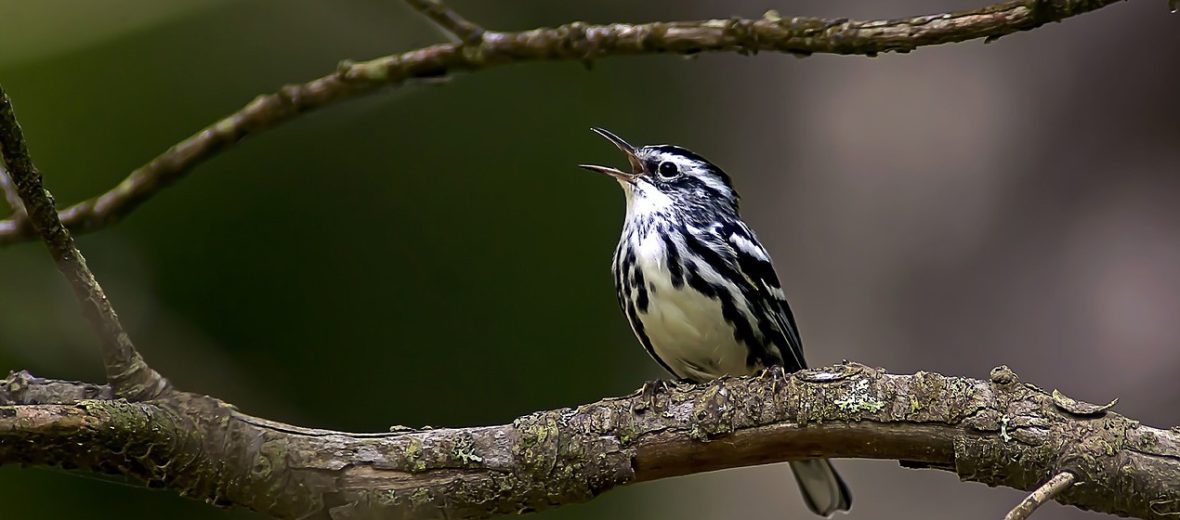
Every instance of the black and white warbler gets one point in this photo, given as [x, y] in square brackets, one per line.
[699, 289]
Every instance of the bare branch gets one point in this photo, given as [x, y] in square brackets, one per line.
[999, 432]
[127, 372]
[10, 195]
[449, 20]
[1046, 492]
[575, 41]
[17, 224]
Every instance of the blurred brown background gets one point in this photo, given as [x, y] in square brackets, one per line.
[430, 255]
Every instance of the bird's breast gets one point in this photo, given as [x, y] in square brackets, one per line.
[686, 328]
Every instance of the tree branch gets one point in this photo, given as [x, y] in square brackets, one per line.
[1046, 492]
[127, 372]
[10, 195]
[449, 20]
[575, 41]
[18, 220]
[999, 432]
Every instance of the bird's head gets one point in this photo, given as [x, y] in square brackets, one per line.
[665, 178]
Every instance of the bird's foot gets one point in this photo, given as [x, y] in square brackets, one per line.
[776, 373]
[649, 395]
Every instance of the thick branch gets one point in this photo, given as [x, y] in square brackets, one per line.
[999, 432]
[125, 369]
[576, 41]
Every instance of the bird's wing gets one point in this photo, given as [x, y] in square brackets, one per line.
[754, 264]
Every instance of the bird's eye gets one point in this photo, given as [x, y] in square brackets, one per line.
[667, 170]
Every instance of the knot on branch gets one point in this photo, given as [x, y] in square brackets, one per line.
[1045, 11]
[1003, 376]
[575, 43]
[744, 35]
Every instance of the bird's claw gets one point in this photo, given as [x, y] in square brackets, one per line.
[776, 373]
[649, 395]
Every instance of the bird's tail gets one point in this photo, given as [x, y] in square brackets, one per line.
[823, 490]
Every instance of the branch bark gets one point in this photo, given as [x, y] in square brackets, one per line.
[575, 41]
[126, 370]
[999, 432]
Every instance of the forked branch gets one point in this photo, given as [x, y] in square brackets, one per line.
[128, 374]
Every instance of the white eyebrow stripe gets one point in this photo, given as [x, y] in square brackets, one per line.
[679, 160]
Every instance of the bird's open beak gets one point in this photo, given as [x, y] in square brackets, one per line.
[636, 164]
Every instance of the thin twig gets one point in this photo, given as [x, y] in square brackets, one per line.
[571, 42]
[127, 372]
[449, 20]
[1045, 493]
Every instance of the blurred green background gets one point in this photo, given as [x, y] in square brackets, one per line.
[430, 254]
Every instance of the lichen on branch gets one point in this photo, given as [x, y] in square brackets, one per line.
[998, 431]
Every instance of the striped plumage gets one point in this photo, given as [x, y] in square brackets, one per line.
[698, 288]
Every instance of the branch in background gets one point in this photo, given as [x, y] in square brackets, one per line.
[575, 41]
[449, 20]
[10, 195]
[1000, 432]
[1061, 482]
[127, 372]
[12, 225]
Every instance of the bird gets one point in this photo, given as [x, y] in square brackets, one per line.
[699, 289]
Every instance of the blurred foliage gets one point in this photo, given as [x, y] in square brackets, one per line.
[35, 30]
